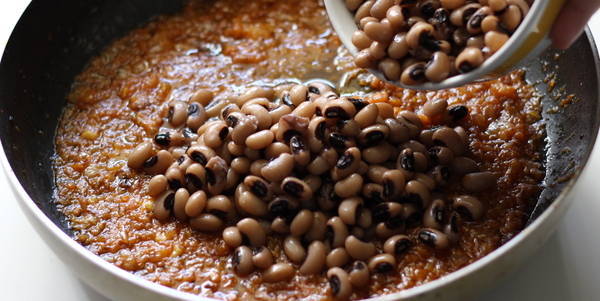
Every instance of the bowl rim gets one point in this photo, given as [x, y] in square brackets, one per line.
[32, 211]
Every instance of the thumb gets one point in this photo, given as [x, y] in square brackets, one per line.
[571, 21]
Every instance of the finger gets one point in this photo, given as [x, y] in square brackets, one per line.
[571, 21]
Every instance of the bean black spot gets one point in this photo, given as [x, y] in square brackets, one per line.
[411, 198]
[170, 114]
[194, 180]
[314, 90]
[468, 13]
[287, 100]
[402, 246]
[458, 112]
[259, 189]
[440, 16]
[210, 177]
[187, 133]
[345, 161]
[394, 222]
[427, 238]
[374, 138]
[232, 120]
[380, 213]
[320, 130]
[175, 184]
[374, 197]
[223, 133]
[464, 212]
[428, 9]
[433, 154]
[236, 257]
[151, 162]
[438, 214]
[180, 160]
[408, 162]
[293, 188]
[297, 145]
[358, 103]
[289, 134]
[162, 139]
[336, 112]
[384, 267]
[388, 188]
[193, 109]
[430, 43]
[334, 282]
[453, 223]
[475, 22]
[199, 157]
[169, 201]
[417, 74]
[337, 140]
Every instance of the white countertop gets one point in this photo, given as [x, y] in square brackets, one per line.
[566, 268]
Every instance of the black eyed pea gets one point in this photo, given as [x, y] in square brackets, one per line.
[177, 114]
[399, 132]
[378, 50]
[412, 122]
[469, 59]
[291, 125]
[253, 230]
[452, 228]
[293, 249]
[251, 204]
[522, 4]
[221, 206]
[235, 149]
[396, 17]
[365, 20]
[196, 203]
[180, 201]
[318, 166]
[280, 226]
[364, 10]
[195, 177]
[305, 109]
[216, 175]
[363, 168]
[279, 168]
[497, 5]
[468, 207]
[490, 23]
[260, 140]
[393, 182]
[175, 178]
[382, 264]
[494, 40]
[232, 237]
[164, 205]
[336, 232]
[278, 112]
[314, 182]
[391, 68]
[257, 92]
[296, 188]
[434, 215]
[348, 127]
[244, 127]
[367, 116]
[358, 249]
[318, 227]
[417, 33]
[319, 87]
[300, 151]
[384, 230]
[412, 215]
[183, 161]
[262, 258]
[378, 154]
[302, 223]
[381, 31]
[398, 48]
[278, 272]
[252, 154]
[340, 285]
[206, 222]
[202, 96]
[261, 113]
[298, 94]
[256, 167]
[511, 17]
[347, 163]
[242, 261]
[418, 190]
[240, 165]
[140, 155]
[474, 23]
[433, 238]
[380, 8]
[337, 257]
[385, 110]
[230, 110]
[359, 275]
[440, 155]
[438, 68]
[447, 137]
[339, 108]
[215, 135]
[157, 185]
[201, 154]
[361, 40]
[397, 245]
[276, 149]
[463, 165]
[373, 135]
[478, 181]
[459, 17]
[435, 107]
[258, 186]
[350, 209]
[214, 108]
[317, 128]
[315, 259]
[350, 186]
[414, 74]
[373, 193]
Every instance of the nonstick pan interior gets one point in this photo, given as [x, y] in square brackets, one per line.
[54, 40]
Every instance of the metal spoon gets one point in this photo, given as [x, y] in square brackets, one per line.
[530, 39]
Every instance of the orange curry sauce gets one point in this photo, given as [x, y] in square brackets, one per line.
[119, 100]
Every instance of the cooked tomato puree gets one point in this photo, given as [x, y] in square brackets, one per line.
[121, 98]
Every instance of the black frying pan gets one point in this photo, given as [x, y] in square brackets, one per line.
[54, 40]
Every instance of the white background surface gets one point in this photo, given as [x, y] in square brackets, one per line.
[566, 268]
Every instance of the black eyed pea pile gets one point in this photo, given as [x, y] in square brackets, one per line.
[341, 183]
[415, 41]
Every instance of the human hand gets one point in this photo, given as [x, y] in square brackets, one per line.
[571, 21]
